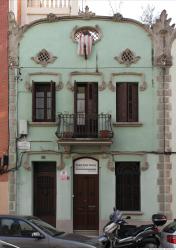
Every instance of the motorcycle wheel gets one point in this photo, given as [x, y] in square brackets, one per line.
[150, 245]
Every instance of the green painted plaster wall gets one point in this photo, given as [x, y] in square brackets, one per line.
[116, 37]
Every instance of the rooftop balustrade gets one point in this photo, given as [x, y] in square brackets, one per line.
[48, 4]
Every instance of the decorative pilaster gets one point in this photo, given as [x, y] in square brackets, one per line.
[162, 36]
[14, 35]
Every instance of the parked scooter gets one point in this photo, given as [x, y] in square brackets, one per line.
[118, 233]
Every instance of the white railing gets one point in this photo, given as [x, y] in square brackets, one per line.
[48, 3]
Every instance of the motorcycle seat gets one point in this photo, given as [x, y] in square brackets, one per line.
[130, 230]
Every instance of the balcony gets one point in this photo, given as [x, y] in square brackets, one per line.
[84, 129]
[37, 9]
[51, 4]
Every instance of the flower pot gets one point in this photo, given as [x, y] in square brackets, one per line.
[67, 135]
[104, 133]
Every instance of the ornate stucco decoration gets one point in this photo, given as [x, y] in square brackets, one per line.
[15, 33]
[117, 17]
[13, 62]
[144, 164]
[110, 165]
[163, 34]
[30, 77]
[86, 14]
[85, 37]
[95, 31]
[70, 83]
[127, 57]
[44, 57]
[164, 60]
[52, 17]
[142, 85]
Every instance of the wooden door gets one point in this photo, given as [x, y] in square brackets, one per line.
[86, 202]
[45, 191]
[86, 109]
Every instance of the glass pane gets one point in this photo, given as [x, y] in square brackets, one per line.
[39, 103]
[81, 106]
[81, 90]
[39, 94]
[49, 103]
[81, 96]
[48, 94]
[40, 114]
[48, 114]
[81, 119]
[26, 229]
[5, 227]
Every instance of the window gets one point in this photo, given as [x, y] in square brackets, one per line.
[127, 186]
[15, 228]
[44, 102]
[127, 102]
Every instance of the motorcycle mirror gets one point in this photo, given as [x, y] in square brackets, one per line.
[128, 217]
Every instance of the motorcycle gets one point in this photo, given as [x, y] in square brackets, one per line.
[118, 233]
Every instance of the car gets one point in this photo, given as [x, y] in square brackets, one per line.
[30, 231]
[4, 244]
[168, 235]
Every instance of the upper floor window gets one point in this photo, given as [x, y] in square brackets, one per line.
[127, 102]
[44, 102]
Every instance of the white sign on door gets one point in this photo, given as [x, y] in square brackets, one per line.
[86, 166]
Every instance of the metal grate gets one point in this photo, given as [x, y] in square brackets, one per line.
[127, 56]
[43, 56]
[93, 32]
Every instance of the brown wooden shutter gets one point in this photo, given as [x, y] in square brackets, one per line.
[121, 102]
[53, 94]
[132, 102]
[33, 101]
[128, 186]
[75, 96]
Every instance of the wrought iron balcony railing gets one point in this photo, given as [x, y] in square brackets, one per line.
[84, 126]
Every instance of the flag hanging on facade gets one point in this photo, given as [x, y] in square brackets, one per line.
[85, 45]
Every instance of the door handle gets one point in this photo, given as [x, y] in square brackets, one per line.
[91, 206]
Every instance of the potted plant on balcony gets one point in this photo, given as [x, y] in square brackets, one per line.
[67, 134]
[104, 133]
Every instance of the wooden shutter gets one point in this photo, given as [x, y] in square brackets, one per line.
[121, 102]
[33, 101]
[128, 186]
[132, 102]
[53, 93]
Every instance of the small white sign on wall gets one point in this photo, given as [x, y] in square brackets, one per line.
[86, 166]
[23, 145]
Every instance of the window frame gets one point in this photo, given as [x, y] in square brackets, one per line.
[127, 102]
[44, 86]
[128, 201]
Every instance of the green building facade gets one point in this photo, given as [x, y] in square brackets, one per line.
[86, 107]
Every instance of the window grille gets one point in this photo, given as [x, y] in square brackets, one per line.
[88, 30]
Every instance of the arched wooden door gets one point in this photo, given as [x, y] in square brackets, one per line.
[86, 194]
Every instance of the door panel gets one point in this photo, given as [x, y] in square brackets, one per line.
[45, 191]
[86, 202]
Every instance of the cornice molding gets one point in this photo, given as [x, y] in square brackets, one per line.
[142, 84]
[51, 18]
